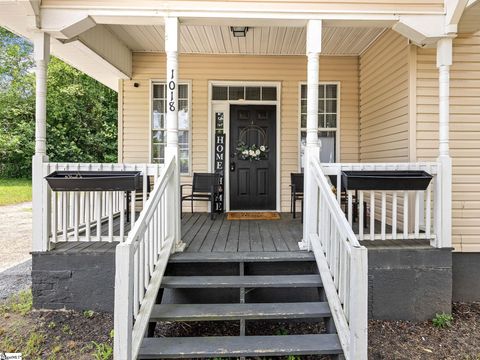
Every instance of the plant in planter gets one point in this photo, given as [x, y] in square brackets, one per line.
[252, 152]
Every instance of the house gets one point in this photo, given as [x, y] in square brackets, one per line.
[325, 87]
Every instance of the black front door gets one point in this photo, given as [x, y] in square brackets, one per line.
[252, 157]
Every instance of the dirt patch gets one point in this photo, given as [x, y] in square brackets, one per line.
[87, 335]
[55, 334]
[406, 340]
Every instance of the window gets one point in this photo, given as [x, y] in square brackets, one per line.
[159, 131]
[327, 121]
[258, 93]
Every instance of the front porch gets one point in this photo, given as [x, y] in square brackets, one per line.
[399, 270]
[194, 120]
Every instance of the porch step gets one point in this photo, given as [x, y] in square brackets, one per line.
[241, 256]
[251, 281]
[223, 312]
[289, 284]
[234, 346]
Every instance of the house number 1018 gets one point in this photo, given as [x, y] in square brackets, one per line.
[171, 87]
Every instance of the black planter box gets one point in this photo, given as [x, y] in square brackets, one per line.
[94, 180]
[386, 180]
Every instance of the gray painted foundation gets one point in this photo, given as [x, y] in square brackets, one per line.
[81, 281]
[466, 277]
[408, 284]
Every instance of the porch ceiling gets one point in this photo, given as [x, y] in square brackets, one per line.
[259, 40]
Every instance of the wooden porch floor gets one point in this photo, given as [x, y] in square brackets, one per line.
[201, 234]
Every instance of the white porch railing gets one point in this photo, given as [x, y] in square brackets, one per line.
[391, 214]
[341, 261]
[90, 215]
[140, 263]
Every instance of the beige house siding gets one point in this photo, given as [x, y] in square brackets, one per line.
[385, 106]
[464, 132]
[200, 69]
[398, 6]
[384, 100]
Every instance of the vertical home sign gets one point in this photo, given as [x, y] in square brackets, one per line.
[219, 161]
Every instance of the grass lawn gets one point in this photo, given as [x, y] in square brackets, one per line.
[14, 191]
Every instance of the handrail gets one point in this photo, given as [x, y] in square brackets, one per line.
[342, 263]
[140, 264]
[333, 205]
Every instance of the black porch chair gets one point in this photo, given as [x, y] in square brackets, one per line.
[205, 187]
[296, 192]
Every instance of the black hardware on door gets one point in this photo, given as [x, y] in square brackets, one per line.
[232, 166]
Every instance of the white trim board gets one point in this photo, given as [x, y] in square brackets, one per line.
[224, 105]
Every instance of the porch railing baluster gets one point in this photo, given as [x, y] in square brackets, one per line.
[394, 214]
[341, 262]
[146, 254]
[73, 216]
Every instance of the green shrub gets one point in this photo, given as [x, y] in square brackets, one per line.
[442, 320]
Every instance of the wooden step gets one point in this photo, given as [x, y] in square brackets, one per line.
[242, 256]
[223, 312]
[236, 346]
[258, 281]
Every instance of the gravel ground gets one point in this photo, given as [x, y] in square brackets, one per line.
[15, 246]
[15, 279]
[15, 234]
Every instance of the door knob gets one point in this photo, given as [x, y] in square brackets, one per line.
[232, 166]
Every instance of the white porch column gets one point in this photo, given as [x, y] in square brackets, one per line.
[40, 190]
[443, 216]
[172, 32]
[310, 204]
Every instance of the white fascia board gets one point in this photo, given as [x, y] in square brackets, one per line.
[15, 17]
[454, 10]
[65, 25]
[32, 8]
[207, 17]
[421, 30]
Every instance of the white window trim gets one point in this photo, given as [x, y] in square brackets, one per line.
[337, 129]
[190, 121]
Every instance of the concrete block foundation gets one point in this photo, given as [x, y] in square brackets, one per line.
[81, 281]
[404, 283]
[409, 284]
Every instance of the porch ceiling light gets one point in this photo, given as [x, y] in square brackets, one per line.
[239, 31]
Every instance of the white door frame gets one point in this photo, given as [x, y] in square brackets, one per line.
[224, 105]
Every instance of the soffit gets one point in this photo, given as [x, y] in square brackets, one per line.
[200, 39]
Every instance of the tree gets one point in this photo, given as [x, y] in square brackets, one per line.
[81, 112]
